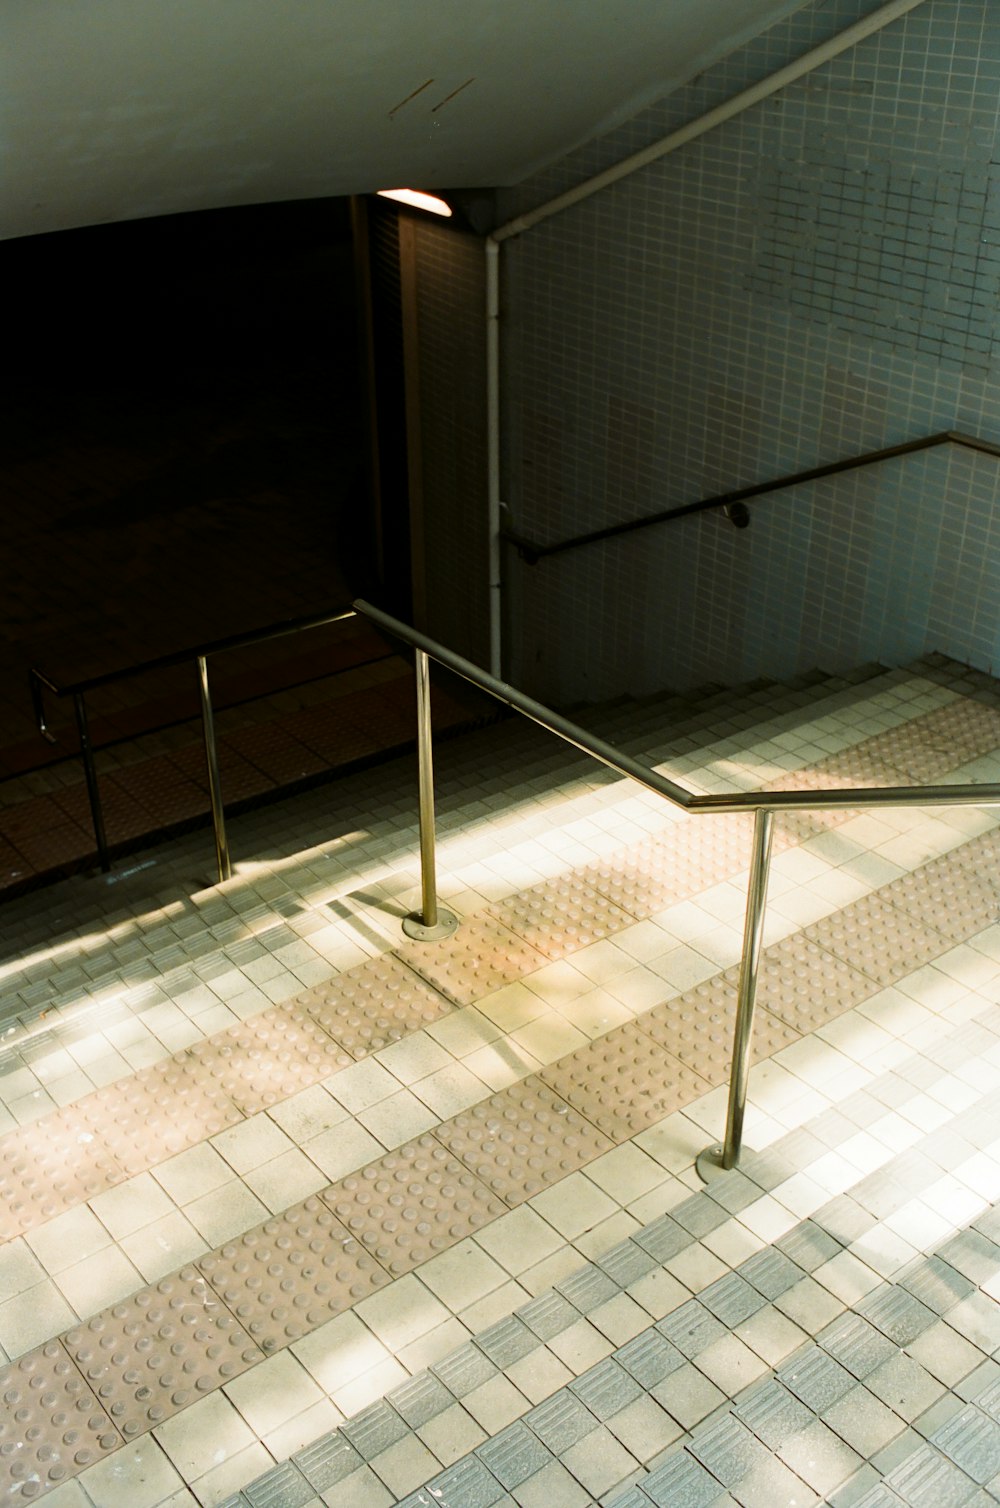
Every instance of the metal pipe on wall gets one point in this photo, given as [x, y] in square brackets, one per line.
[865, 27]
[493, 451]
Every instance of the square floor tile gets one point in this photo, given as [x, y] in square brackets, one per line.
[251, 1143]
[285, 1180]
[397, 1119]
[164, 1245]
[193, 1173]
[203, 1436]
[273, 1392]
[131, 1205]
[60, 1242]
[225, 1213]
[99, 1281]
[137, 1476]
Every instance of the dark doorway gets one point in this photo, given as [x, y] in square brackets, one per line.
[183, 456]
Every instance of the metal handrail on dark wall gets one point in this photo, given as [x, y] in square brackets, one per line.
[195, 654]
[532, 551]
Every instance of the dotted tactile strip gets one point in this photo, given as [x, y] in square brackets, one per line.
[932, 745]
[522, 1140]
[697, 1027]
[51, 1425]
[877, 938]
[158, 1112]
[480, 957]
[49, 1167]
[624, 1082]
[641, 882]
[168, 1345]
[269, 1058]
[373, 1005]
[560, 916]
[690, 856]
[803, 985]
[721, 843]
[954, 896]
[289, 1276]
[412, 1204]
[861, 765]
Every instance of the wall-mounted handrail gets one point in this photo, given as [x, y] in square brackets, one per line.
[197, 654]
[532, 551]
[763, 804]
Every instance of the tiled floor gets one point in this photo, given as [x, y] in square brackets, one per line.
[298, 1213]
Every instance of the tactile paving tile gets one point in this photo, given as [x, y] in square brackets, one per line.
[288, 1276]
[624, 1082]
[328, 1461]
[856, 1345]
[957, 893]
[269, 1057]
[283, 1486]
[877, 938]
[962, 730]
[479, 958]
[559, 916]
[805, 986]
[727, 1448]
[149, 1357]
[798, 827]
[773, 1413]
[645, 879]
[895, 1311]
[937, 1284]
[649, 1358]
[412, 1204]
[50, 1166]
[158, 1112]
[863, 765]
[657, 872]
[731, 1299]
[955, 901]
[522, 1139]
[378, 1002]
[815, 1377]
[918, 750]
[972, 1441]
[514, 1455]
[51, 1424]
[697, 1027]
[927, 1479]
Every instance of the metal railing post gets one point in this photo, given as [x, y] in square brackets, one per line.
[214, 778]
[90, 773]
[431, 922]
[722, 1158]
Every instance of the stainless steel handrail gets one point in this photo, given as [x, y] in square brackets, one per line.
[763, 804]
[199, 654]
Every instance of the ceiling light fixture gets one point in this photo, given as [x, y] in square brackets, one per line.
[417, 200]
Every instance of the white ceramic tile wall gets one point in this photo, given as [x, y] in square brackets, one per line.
[816, 278]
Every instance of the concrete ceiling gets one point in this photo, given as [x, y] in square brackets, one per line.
[122, 109]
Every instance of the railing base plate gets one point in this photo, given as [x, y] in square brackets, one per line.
[708, 1164]
[414, 927]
